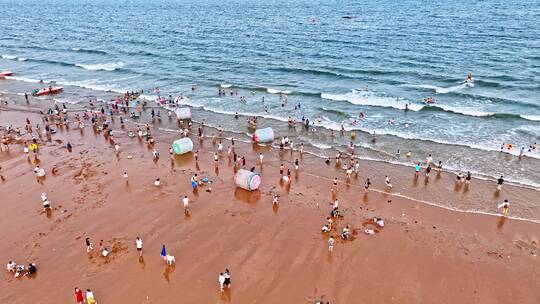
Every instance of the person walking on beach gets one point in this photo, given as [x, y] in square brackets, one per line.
[428, 170]
[331, 242]
[417, 169]
[79, 296]
[261, 158]
[387, 181]
[138, 244]
[500, 182]
[275, 200]
[227, 281]
[505, 205]
[185, 201]
[90, 297]
[88, 245]
[367, 183]
[296, 165]
[221, 280]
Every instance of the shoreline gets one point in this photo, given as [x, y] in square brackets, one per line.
[456, 157]
[402, 167]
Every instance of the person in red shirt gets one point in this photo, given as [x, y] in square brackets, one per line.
[79, 296]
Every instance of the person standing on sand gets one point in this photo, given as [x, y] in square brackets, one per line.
[88, 245]
[506, 206]
[296, 165]
[500, 182]
[221, 280]
[261, 158]
[387, 181]
[331, 242]
[90, 297]
[79, 296]
[139, 243]
[468, 177]
[185, 201]
[125, 177]
[367, 183]
[428, 170]
[417, 169]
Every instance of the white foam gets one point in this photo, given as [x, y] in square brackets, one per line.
[531, 117]
[370, 99]
[21, 59]
[452, 88]
[31, 80]
[463, 110]
[224, 85]
[101, 66]
[274, 91]
[76, 49]
[10, 57]
[92, 85]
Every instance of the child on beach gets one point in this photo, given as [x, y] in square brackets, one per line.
[505, 206]
[500, 182]
[387, 181]
[88, 245]
[185, 201]
[331, 242]
[275, 200]
[417, 169]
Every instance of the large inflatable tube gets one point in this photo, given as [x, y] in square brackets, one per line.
[247, 180]
[183, 113]
[263, 135]
[182, 146]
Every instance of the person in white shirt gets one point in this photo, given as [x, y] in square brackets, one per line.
[139, 243]
[261, 158]
[11, 266]
[43, 197]
[221, 280]
[185, 200]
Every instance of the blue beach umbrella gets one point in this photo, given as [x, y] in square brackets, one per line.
[163, 252]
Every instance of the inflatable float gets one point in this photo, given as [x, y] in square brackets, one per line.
[182, 146]
[247, 180]
[263, 135]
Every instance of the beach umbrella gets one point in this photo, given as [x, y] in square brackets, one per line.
[163, 252]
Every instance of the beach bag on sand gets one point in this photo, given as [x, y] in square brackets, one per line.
[263, 135]
[183, 113]
[182, 146]
[247, 180]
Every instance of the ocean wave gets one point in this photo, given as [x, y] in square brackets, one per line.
[13, 57]
[89, 51]
[25, 79]
[92, 85]
[531, 117]
[367, 98]
[101, 66]
[313, 72]
[274, 91]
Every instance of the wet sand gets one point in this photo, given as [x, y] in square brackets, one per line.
[424, 254]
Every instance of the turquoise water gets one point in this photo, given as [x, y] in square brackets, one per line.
[323, 53]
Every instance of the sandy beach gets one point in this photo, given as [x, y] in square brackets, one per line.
[276, 254]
